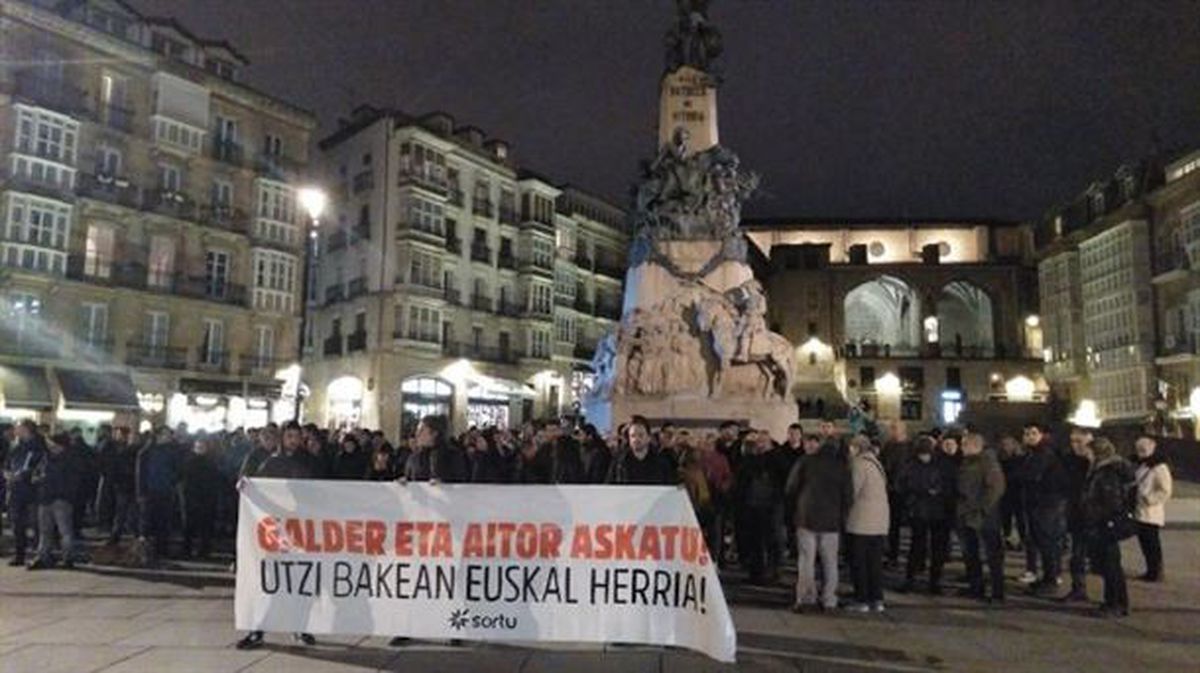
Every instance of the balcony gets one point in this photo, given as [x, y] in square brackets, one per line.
[1177, 348]
[482, 207]
[332, 345]
[259, 365]
[364, 181]
[454, 245]
[427, 287]
[117, 118]
[108, 188]
[507, 308]
[455, 349]
[43, 178]
[170, 203]
[583, 305]
[227, 151]
[564, 300]
[141, 354]
[582, 260]
[481, 302]
[224, 216]
[356, 288]
[334, 294]
[278, 166]
[423, 174]
[543, 312]
[414, 335]
[481, 253]
[1171, 263]
[109, 273]
[506, 261]
[538, 222]
[356, 341]
[210, 290]
[508, 215]
[51, 93]
[454, 196]
[212, 361]
[452, 296]
[29, 343]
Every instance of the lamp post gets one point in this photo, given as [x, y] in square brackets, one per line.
[313, 200]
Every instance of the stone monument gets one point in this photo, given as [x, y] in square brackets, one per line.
[692, 346]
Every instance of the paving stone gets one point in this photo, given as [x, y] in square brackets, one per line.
[61, 658]
[189, 660]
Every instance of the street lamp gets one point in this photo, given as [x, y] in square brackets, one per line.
[313, 200]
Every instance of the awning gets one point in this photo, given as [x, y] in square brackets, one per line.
[25, 387]
[486, 387]
[82, 389]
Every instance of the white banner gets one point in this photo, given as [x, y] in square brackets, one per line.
[596, 564]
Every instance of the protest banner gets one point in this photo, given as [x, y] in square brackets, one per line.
[591, 564]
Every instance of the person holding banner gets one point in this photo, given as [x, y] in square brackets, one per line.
[285, 463]
[640, 463]
[433, 457]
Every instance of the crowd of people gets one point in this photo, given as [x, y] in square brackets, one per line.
[867, 499]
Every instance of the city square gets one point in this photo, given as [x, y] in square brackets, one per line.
[650, 336]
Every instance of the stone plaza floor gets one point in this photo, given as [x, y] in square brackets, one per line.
[119, 620]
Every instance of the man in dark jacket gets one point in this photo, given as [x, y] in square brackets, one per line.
[640, 462]
[895, 458]
[157, 476]
[980, 487]
[818, 492]
[1045, 481]
[758, 490]
[351, 460]
[434, 458]
[87, 479]
[23, 457]
[1076, 465]
[925, 501]
[1108, 500]
[57, 481]
[202, 481]
[121, 475]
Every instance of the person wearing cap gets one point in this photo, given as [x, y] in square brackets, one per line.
[1106, 496]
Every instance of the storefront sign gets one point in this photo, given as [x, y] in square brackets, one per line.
[596, 564]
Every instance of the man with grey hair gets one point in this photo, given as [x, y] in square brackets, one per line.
[980, 487]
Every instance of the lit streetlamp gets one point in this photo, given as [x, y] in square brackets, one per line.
[313, 200]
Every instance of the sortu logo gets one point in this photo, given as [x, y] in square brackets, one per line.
[462, 618]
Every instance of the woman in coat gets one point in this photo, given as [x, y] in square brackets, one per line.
[867, 524]
[1154, 490]
[1104, 506]
[925, 501]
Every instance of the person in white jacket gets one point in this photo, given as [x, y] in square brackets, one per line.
[1154, 490]
[867, 524]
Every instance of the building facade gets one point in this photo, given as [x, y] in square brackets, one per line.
[1120, 296]
[916, 318]
[150, 243]
[449, 280]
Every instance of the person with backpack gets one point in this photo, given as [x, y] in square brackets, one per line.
[1108, 503]
[1153, 492]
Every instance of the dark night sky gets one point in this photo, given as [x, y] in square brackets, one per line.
[847, 108]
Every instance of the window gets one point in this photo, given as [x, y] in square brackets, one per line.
[108, 161]
[169, 178]
[216, 273]
[276, 212]
[538, 208]
[46, 135]
[272, 145]
[222, 194]
[564, 284]
[424, 324]
[93, 324]
[540, 299]
[156, 330]
[543, 253]
[161, 262]
[35, 234]
[180, 135]
[24, 312]
[213, 349]
[274, 281]
[425, 216]
[264, 345]
[564, 328]
[425, 269]
[226, 131]
[476, 337]
[98, 251]
[539, 344]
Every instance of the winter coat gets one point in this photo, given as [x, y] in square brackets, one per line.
[24, 456]
[157, 470]
[1044, 477]
[566, 461]
[281, 465]
[202, 480]
[350, 465]
[758, 482]
[1076, 470]
[57, 477]
[597, 459]
[895, 458]
[980, 487]
[869, 513]
[947, 466]
[122, 469]
[444, 462]
[494, 466]
[818, 491]
[923, 492]
[654, 468]
[1105, 493]
[1154, 490]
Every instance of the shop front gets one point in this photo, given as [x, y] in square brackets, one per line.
[26, 393]
[344, 403]
[90, 399]
[422, 396]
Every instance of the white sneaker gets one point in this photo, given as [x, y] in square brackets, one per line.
[1028, 578]
[877, 606]
[857, 607]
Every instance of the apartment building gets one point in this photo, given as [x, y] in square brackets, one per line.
[451, 280]
[917, 318]
[150, 246]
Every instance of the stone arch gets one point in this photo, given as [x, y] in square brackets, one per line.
[966, 319]
[883, 312]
